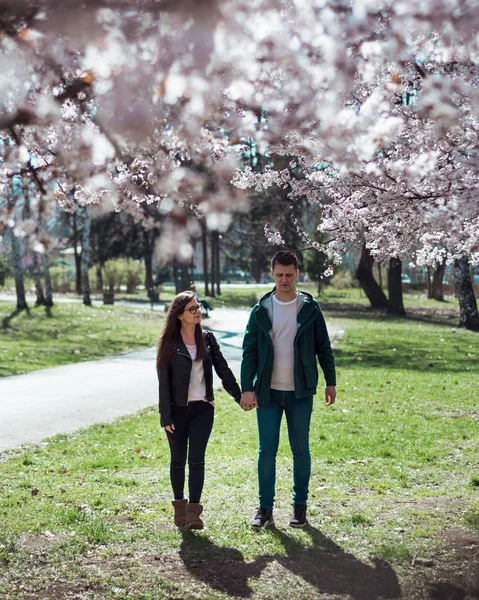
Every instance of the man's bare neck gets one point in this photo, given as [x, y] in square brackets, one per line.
[286, 297]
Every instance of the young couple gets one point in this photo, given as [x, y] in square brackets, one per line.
[286, 333]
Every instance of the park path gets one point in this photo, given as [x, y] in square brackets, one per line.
[63, 399]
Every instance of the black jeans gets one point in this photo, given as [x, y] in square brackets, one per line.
[193, 424]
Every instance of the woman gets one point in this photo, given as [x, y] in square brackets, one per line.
[184, 361]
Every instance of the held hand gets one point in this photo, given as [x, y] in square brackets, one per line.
[330, 394]
[170, 428]
[248, 401]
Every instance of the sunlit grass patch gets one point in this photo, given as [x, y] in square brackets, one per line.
[74, 333]
[356, 520]
[393, 553]
[394, 467]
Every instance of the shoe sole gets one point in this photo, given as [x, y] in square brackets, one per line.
[264, 526]
[297, 525]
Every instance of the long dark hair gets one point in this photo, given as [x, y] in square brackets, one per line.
[170, 336]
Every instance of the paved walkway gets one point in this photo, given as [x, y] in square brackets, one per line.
[63, 399]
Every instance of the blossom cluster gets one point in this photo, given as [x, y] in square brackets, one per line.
[147, 106]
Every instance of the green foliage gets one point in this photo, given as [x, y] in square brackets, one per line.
[112, 274]
[343, 280]
[5, 270]
[63, 278]
[315, 264]
[134, 274]
[123, 271]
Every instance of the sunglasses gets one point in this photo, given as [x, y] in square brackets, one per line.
[194, 309]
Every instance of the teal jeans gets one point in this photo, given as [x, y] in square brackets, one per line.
[298, 419]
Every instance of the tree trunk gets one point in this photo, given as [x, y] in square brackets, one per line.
[85, 256]
[38, 282]
[395, 303]
[149, 241]
[429, 281]
[48, 282]
[148, 259]
[78, 271]
[469, 315]
[213, 264]
[256, 268]
[176, 276]
[185, 278]
[17, 256]
[76, 239]
[99, 278]
[216, 259]
[435, 289]
[204, 245]
[364, 274]
[191, 272]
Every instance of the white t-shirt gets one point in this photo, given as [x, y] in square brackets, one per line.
[283, 334]
[197, 387]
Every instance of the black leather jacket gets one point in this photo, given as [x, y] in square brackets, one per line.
[174, 381]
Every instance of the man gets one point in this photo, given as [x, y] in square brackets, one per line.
[286, 331]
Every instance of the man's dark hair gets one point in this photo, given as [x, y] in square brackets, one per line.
[285, 258]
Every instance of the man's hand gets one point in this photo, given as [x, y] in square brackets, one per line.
[330, 394]
[170, 428]
[248, 401]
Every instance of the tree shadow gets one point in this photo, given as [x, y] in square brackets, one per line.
[448, 591]
[323, 565]
[331, 570]
[442, 316]
[6, 320]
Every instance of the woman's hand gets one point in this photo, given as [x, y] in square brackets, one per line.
[248, 401]
[170, 428]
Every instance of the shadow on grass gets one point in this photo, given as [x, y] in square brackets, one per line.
[404, 356]
[6, 320]
[447, 591]
[443, 315]
[331, 570]
[324, 566]
[222, 568]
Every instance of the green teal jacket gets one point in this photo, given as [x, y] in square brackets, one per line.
[311, 341]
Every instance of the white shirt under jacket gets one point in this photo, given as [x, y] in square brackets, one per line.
[284, 315]
[197, 387]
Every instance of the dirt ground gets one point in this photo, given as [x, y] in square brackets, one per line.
[330, 575]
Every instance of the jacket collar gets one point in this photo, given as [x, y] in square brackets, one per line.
[181, 347]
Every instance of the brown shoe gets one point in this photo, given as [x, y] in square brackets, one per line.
[180, 512]
[193, 512]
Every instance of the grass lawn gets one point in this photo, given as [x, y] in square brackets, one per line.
[74, 333]
[393, 510]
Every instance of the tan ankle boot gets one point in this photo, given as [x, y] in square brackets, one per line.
[180, 512]
[193, 512]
